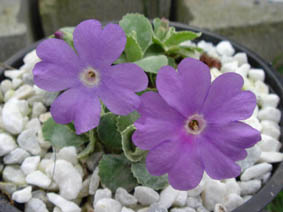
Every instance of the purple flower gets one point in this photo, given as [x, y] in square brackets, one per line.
[193, 125]
[88, 76]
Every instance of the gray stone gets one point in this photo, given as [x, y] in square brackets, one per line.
[157, 208]
[256, 24]
[13, 33]
[35, 205]
[53, 13]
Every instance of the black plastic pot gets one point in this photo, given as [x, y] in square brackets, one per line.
[273, 79]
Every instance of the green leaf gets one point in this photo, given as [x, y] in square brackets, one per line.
[152, 64]
[133, 50]
[61, 135]
[108, 133]
[146, 179]
[178, 37]
[115, 172]
[121, 59]
[139, 24]
[132, 152]
[124, 121]
[154, 50]
[162, 29]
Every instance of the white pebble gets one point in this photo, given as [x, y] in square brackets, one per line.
[63, 204]
[181, 199]
[37, 109]
[12, 118]
[271, 157]
[270, 128]
[249, 187]
[6, 85]
[194, 202]
[256, 75]
[186, 209]
[22, 196]
[265, 177]
[269, 100]
[143, 210]
[94, 182]
[69, 154]
[232, 186]
[35, 205]
[33, 124]
[197, 190]
[24, 92]
[12, 74]
[124, 209]
[168, 196]
[225, 48]
[220, 208]
[107, 205]
[209, 198]
[67, 178]
[29, 141]
[39, 179]
[16, 83]
[269, 144]
[146, 195]
[270, 113]
[101, 194]
[260, 88]
[125, 198]
[30, 164]
[24, 107]
[230, 67]
[7, 144]
[233, 201]
[241, 57]
[44, 117]
[202, 209]
[13, 174]
[253, 156]
[16, 156]
[253, 122]
[256, 171]
[243, 70]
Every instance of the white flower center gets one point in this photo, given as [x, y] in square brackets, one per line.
[195, 124]
[90, 77]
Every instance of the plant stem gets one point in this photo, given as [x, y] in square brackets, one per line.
[91, 145]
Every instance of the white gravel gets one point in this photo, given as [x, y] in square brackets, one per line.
[28, 166]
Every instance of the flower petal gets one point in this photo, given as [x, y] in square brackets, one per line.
[216, 164]
[96, 46]
[161, 158]
[59, 66]
[118, 99]
[57, 51]
[53, 77]
[158, 122]
[226, 101]
[188, 169]
[186, 89]
[236, 134]
[68, 107]
[130, 76]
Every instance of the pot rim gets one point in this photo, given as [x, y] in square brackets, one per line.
[275, 184]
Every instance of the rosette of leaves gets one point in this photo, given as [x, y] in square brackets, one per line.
[150, 46]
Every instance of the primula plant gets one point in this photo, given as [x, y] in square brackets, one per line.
[133, 94]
